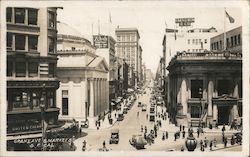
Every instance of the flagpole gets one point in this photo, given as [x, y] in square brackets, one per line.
[225, 38]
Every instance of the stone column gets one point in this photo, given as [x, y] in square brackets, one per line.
[92, 99]
[215, 112]
[210, 96]
[184, 96]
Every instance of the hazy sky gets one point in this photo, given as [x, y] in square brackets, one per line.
[149, 18]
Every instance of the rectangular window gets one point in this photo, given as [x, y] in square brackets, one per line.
[196, 88]
[9, 68]
[32, 17]
[20, 42]
[193, 41]
[223, 87]
[220, 45]
[232, 41]
[235, 40]
[52, 45]
[9, 14]
[33, 69]
[50, 96]
[118, 38]
[19, 15]
[51, 69]
[21, 99]
[128, 38]
[33, 41]
[20, 69]
[52, 23]
[239, 39]
[188, 41]
[36, 99]
[205, 41]
[65, 103]
[9, 41]
[133, 38]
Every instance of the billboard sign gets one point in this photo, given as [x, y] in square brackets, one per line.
[184, 22]
[100, 41]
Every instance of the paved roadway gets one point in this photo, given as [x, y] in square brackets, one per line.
[132, 125]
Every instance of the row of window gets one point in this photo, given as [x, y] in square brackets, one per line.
[230, 43]
[22, 69]
[26, 42]
[126, 49]
[29, 99]
[196, 41]
[28, 16]
[195, 50]
[126, 37]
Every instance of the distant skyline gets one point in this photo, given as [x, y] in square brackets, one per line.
[150, 20]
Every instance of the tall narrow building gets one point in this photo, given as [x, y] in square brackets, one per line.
[129, 49]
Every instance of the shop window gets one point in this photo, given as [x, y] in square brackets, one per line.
[65, 101]
[52, 45]
[32, 17]
[196, 88]
[9, 68]
[223, 87]
[9, 14]
[195, 111]
[51, 69]
[20, 69]
[52, 22]
[20, 42]
[36, 99]
[33, 41]
[50, 96]
[21, 99]
[19, 15]
[33, 69]
[9, 41]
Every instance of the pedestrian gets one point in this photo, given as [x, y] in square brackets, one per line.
[205, 142]
[147, 116]
[145, 129]
[225, 142]
[180, 127]
[198, 132]
[223, 128]
[183, 134]
[175, 136]
[141, 128]
[232, 140]
[138, 114]
[202, 148]
[182, 148]
[215, 142]
[163, 137]
[104, 145]
[211, 145]
[201, 143]
[183, 127]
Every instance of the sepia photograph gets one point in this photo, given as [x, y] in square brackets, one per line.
[125, 78]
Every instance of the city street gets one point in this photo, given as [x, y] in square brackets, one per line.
[131, 125]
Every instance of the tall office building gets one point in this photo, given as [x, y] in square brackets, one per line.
[129, 49]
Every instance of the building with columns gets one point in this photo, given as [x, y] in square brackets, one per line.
[205, 88]
[83, 93]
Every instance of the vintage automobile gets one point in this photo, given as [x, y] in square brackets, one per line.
[151, 117]
[138, 141]
[139, 104]
[84, 124]
[144, 108]
[120, 117]
[125, 110]
[114, 138]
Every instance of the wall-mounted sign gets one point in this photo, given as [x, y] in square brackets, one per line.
[100, 41]
[183, 22]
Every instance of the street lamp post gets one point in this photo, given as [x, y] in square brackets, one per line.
[42, 107]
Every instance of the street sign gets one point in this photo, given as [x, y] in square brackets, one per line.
[183, 22]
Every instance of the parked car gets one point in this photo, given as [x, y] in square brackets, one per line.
[114, 138]
[125, 110]
[144, 108]
[151, 117]
[120, 117]
[84, 124]
[138, 141]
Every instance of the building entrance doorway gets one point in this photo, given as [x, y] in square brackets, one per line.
[223, 114]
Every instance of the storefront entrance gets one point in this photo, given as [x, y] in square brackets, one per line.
[223, 114]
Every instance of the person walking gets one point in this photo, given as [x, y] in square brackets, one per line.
[215, 142]
[104, 145]
[211, 145]
[145, 129]
[166, 134]
[205, 142]
[180, 128]
[175, 136]
[225, 142]
[141, 128]
[138, 114]
[183, 134]
[198, 132]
